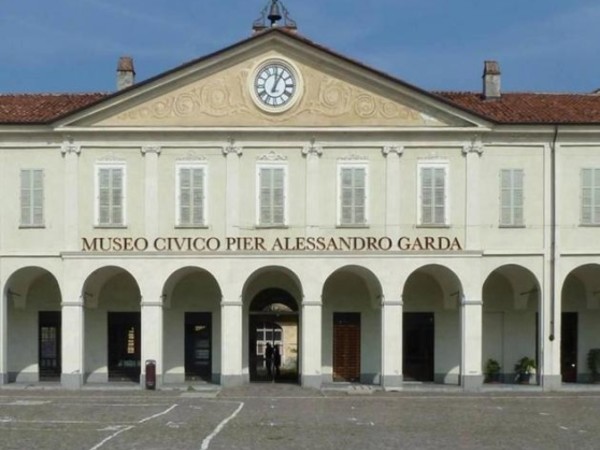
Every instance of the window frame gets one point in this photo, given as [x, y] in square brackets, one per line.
[110, 165]
[191, 165]
[512, 223]
[592, 206]
[433, 164]
[352, 165]
[31, 223]
[272, 165]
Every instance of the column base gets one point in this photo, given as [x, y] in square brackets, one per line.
[551, 382]
[472, 383]
[311, 381]
[391, 381]
[232, 380]
[71, 380]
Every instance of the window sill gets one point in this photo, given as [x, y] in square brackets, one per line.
[433, 225]
[191, 227]
[120, 227]
[31, 227]
[589, 225]
[271, 227]
[357, 226]
[511, 226]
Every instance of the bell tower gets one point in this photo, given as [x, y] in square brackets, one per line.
[274, 14]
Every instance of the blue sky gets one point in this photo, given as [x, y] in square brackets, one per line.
[73, 45]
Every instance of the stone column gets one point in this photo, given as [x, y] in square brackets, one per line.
[472, 153]
[73, 338]
[393, 208]
[471, 340]
[151, 213]
[152, 338]
[3, 337]
[71, 153]
[310, 358]
[391, 338]
[232, 189]
[231, 343]
[312, 153]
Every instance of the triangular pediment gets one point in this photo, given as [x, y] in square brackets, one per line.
[217, 92]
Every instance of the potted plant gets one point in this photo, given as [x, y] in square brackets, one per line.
[524, 368]
[593, 361]
[492, 371]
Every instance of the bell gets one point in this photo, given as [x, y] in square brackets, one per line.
[274, 13]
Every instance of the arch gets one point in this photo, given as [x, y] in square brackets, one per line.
[511, 305]
[351, 334]
[191, 326]
[33, 307]
[580, 317]
[273, 300]
[94, 283]
[272, 277]
[432, 297]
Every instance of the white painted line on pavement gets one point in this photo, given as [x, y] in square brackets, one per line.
[210, 437]
[166, 411]
[104, 441]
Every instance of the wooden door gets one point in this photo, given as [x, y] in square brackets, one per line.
[346, 346]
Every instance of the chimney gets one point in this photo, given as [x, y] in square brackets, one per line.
[491, 80]
[125, 72]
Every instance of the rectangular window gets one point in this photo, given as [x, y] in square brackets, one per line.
[433, 189]
[32, 197]
[271, 195]
[110, 195]
[191, 195]
[511, 197]
[590, 196]
[352, 194]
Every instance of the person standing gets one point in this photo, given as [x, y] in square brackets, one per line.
[269, 359]
[277, 360]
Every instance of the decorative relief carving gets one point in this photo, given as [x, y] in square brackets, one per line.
[151, 149]
[312, 149]
[272, 156]
[224, 99]
[476, 146]
[353, 157]
[397, 149]
[231, 148]
[70, 148]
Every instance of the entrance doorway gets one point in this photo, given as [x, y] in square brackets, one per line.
[418, 346]
[124, 346]
[273, 337]
[198, 354]
[568, 347]
[346, 346]
[49, 355]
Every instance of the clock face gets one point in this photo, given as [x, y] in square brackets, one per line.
[275, 85]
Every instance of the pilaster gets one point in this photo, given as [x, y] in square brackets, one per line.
[471, 342]
[393, 208]
[151, 213]
[152, 338]
[310, 358]
[73, 335]
[3, 338]
[232, 189]
[70, 153]
[231, 343]
[312, 153]
[472, 153]
[392, 343]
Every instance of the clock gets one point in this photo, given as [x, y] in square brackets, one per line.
[275, 86]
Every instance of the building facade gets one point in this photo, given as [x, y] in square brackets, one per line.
[275, 192]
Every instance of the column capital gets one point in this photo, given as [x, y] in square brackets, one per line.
[475, 146]
[312, 303]
[471, 302]
[397, 149]
[155, 303]
[231, 148]
[68, 148]
[231, 303]
[391, 302]
[312, 149]
[156, 149]
[72, 304]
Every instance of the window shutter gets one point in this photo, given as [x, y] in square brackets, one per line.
[25, 197]
[505, 197]
[596, 198]
[278, 196]
[37, 197]
[264, 196]
[426, 195]
[346, 196]
[198, 196]
[103, 196]
[440, 196]
[117, 196]
[184, 196]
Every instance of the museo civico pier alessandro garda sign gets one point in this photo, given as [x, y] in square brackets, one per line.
[279, 244]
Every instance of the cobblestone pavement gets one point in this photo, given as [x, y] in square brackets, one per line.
[265, 416]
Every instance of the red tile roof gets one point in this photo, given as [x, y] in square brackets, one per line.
[42, 108]
[531, 108]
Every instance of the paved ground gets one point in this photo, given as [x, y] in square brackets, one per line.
[287, 417]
